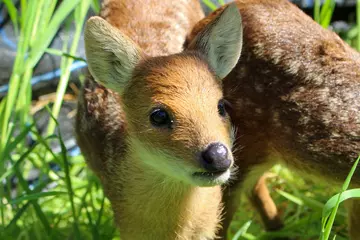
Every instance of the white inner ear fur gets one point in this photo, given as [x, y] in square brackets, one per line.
[221, 41]
[111, 56]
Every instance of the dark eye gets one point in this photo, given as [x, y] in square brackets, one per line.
[221, 108]
[160, 118]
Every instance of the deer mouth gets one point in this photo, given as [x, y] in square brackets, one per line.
[211, 178]
[209, 174]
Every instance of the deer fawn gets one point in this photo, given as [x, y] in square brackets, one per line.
[295, 100]
[155, 130]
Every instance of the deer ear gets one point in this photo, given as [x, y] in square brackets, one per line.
[111, 56]
[221, 41]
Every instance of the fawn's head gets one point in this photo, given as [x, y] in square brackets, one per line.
[176, 118]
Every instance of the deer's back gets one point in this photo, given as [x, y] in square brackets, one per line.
[295, 92]
[158, 27]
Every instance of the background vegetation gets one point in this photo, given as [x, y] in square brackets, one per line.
[68, 202]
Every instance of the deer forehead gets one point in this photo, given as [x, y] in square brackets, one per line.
[176, 79]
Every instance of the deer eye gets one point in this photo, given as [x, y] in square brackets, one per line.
[221, 108]
[160, 118]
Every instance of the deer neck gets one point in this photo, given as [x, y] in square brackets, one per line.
[150, 202]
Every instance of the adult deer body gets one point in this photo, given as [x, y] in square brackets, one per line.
[295, 97]
[154, 130]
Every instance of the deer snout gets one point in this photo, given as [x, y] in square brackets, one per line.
[215, 158]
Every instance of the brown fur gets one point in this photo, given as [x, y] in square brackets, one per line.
[100, 119]
[295, 97]
[148, 202]
[158, 28]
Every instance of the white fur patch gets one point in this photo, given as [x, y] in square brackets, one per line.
[171, 167]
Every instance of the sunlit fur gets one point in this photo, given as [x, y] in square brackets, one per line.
[185, 87]
[295, 97]
[148, 171]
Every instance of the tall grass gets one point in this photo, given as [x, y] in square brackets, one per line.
[69, 202]
[358, 24]
[38, 211]
[322, 15]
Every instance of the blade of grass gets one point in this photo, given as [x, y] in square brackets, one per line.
[24, 98]
[295, 225]
[18, 215]
[326, 13]
[67, 178]
[280, 235]
[40, 214]
[14, 86]
[94, 229]
[209, 4]
[14, 169]
[98, 221]
[290, 197]
[331, 203]
[25, 155]
[325, 8]
[12, 145]
[46, 17]
[64, 9]
[25, 65]
[317, 11]
[83, 198]
[95, 4]
[242, 230]
[358, 24]
[36, 196]
[69, 186]
[80, 14]
[21, 159]
[13, 14]
[63, 54]
[23, 9]
[325, 233]
[28, 14]
[46, 145]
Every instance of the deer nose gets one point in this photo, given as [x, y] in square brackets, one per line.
[215, 158]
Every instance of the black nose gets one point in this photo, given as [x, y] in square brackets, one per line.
[215, 158]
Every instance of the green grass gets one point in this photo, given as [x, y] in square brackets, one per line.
[75, 207]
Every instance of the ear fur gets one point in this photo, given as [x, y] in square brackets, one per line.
[221, 41]
[111, 56]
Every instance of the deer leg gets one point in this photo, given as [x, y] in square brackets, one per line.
[264, 204]
[259, 196]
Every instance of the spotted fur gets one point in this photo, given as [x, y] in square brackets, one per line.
[295, 96]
